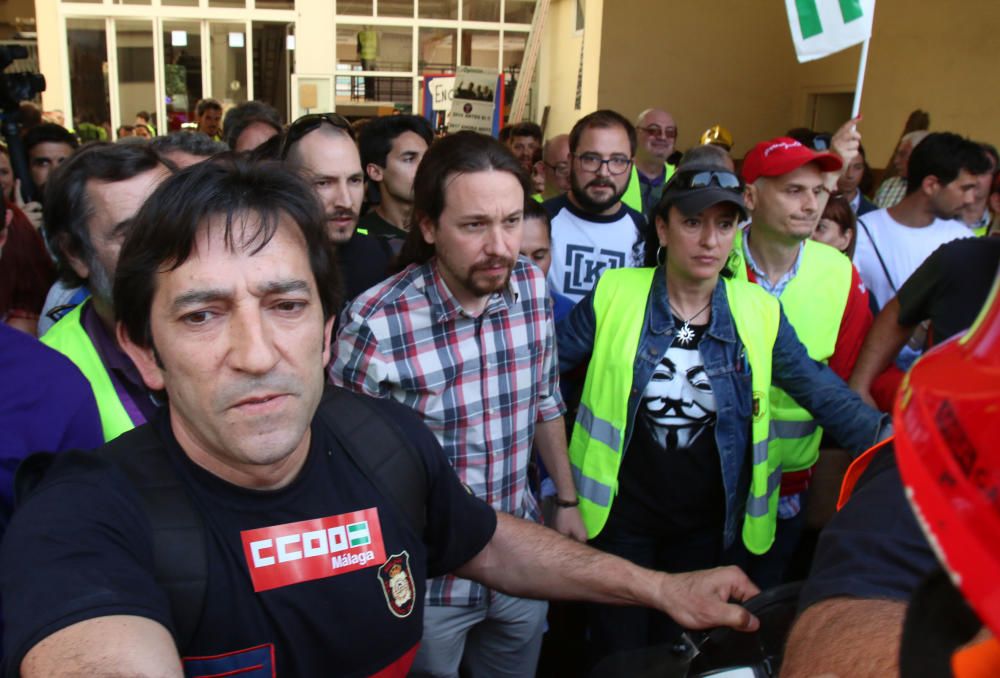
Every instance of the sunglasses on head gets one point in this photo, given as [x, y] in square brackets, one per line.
[705, 178]
[308, 123]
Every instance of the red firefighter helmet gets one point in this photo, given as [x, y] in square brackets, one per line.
[947, 422]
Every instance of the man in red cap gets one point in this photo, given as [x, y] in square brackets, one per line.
[788, 185]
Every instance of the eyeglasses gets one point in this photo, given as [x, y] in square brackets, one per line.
[560, 168]
[705, 178]
[657, 131]
[591, 162]
[309, 123]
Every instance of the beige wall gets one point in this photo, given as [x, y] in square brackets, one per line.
[729, 62]
[559, 64]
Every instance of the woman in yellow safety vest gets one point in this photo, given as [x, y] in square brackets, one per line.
[669, 449]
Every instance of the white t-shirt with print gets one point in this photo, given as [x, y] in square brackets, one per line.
[584, 245]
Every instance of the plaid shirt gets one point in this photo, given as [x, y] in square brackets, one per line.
[480, 383]
[890, 192]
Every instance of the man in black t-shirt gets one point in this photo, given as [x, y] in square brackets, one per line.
[225, 304]
[322, 149]
[948, 289]
[391, 149]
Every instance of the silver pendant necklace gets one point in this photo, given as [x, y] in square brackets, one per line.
[685, 335]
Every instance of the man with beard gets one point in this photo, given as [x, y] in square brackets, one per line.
[391, 148]
[91, 202]
[464, 336]
[321, 148]
[592, 229]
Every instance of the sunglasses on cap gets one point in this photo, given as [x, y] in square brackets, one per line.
[822, 142]
[308, 123]
[695, 179]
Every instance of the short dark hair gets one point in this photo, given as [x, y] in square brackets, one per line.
[144, 115]
[167, 226]
[523, 129]
[376, 137]
[195, 143]
[238, 118]
[944, 155]
[67, 204]
[601, 119]
[991, 150]
[534, 210]
[49, 132]
[206, 104]
[460, 153]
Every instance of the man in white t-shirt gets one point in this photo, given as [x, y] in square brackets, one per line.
[592, 229]
[941, 182]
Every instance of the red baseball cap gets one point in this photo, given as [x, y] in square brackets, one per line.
[782, 155]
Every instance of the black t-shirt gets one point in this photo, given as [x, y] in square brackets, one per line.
[873, 547]
[670, 481]
[341, 594]
[951, 286]
[364, 262]
[377, 226]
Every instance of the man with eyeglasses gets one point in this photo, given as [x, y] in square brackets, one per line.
[555, 156]
[592, 228]
[321, 148]
[787, 188]
[657, 134]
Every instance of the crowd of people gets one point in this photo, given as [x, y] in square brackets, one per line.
[341, 397]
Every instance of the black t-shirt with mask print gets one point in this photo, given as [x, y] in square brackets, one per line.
[670, 481]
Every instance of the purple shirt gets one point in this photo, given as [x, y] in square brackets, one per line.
[46, 405]
[125, 376]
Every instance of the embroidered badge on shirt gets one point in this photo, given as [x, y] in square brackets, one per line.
[281, 555]
[397, 584]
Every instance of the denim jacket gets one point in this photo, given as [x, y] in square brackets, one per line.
[840, 411]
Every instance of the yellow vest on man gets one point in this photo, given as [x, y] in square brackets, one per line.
[69, 338]
[598, 440]
[633, 192]
[814, 302]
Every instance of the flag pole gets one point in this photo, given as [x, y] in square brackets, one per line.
[856, 108]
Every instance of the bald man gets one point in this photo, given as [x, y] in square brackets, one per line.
[657, 134]
[555, 155]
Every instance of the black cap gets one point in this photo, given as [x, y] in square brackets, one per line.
[691, 201]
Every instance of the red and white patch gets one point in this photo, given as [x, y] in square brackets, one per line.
[397, 584]
[287, 554]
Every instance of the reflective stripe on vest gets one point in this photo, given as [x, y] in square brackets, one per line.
[814, 302]
[596, 446]
[633, 193]
[69, 338]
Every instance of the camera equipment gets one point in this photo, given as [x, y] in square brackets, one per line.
[15, 88]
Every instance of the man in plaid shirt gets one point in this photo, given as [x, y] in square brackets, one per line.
[464, 336]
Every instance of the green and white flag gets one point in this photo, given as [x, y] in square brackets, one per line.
[822, 27]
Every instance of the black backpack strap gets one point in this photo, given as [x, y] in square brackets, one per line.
[885, 269]
[180, 553]
[379, 449]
